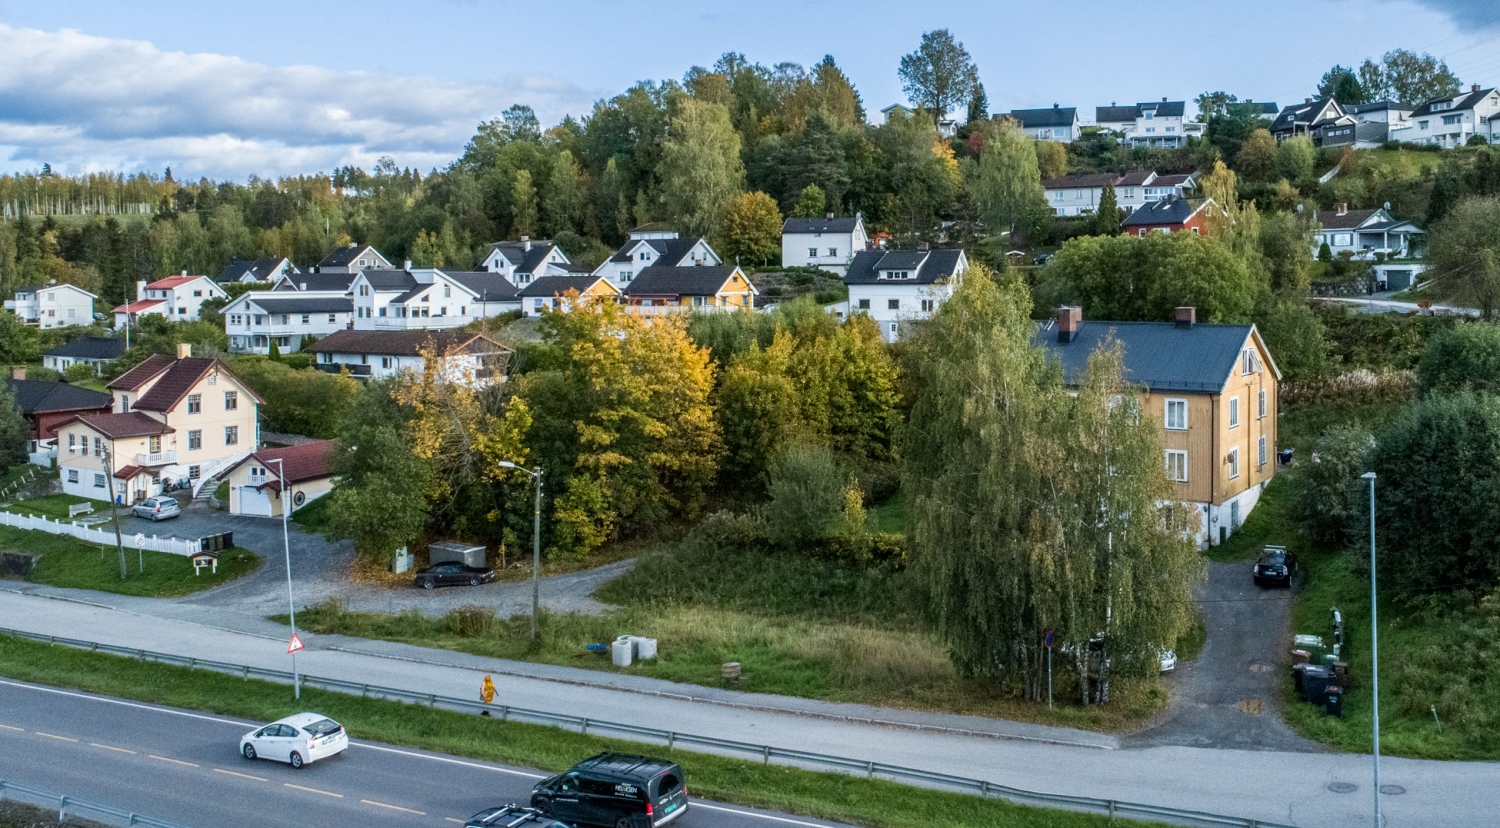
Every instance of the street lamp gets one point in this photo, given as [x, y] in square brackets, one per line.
[1374, 648]
[286, 547]
[536, 548]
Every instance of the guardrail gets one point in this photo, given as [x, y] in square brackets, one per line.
[68, 805]
[672, 739]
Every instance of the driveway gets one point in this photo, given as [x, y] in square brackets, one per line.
[1230, 696]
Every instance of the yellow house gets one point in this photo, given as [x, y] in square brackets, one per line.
[552, 291]
[304, 471]
[690, 288]
[177, 420]
[1211, 388]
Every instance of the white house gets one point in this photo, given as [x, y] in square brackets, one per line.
[1390, 113]
[1078, 194]
[828, 243]
[1060, 123]
[1451, 121]
[178, 298]
[264, 269]
[53, 305]
[551, 292]
[653, 230]
[1151, 124]
[353, 258]
[654, 250]
[898, 286]
[522, 261]
[467, 358]
[896, 110]
[428, 298]
[259, 318]
[93, 351]
[1364, 232]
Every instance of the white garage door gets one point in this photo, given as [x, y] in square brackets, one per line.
[254, 502]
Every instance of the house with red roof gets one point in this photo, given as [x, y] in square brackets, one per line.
[304, 472]
[178, 298]
[184, 420]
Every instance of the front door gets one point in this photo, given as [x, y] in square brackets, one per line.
[567, 799]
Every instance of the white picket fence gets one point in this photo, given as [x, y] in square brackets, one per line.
[172, 546]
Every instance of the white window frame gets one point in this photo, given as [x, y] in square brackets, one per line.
[1261, 453]
[1234, 463]
[1167, 414]
[1234, 411]
[1261, 408]
[1178, 458]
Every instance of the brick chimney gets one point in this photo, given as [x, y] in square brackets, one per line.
[184, 350]
[18, 372]
[1069, 320]
[1343, 208]
[1474, 87]
[1184, 317]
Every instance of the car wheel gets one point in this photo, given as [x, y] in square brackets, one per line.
[428, 583]
[624, 822]
[544, 806]
[249, 751]
[473, 580]
[296, 759]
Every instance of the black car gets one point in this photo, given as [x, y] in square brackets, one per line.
[452, 573]
[619, 790]
[512, 816]
[1275, 567]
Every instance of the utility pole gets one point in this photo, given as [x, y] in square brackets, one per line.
[536, 550]
[286, 546]
[1374, 650]
[114, 510]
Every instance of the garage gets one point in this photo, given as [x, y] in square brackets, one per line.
[253, 501]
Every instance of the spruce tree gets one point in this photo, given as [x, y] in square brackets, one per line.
[1107, 219]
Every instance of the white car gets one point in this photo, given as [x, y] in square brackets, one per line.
[299, 739]
[1168, 660]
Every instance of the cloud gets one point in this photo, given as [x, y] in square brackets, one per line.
[1467, 13]
[85, 103]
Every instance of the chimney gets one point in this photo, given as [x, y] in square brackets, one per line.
[406, 265]
[1343, 208]
[1164, 99]
[1069, 320]
[1054, 104]
[830, 216]
[184, 350]
[304, 286]
[1474, 87]
[18, 372]
[140, 289]
[184, 273]
[525, 242]
[1184, 317]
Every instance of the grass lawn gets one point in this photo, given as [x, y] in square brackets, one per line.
[69, 562]
[892, 515]
[56, 506]
[822, 795]
[1269, 523]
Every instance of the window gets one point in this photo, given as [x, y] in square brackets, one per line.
[864, 304]
[231, 400]
[98, 481]
[198, 293]
[182, 311]
[195, 403]
[195, 440]
[833, 251]
[927, 305]
[1261, 453]
[1234, 463]
[1141, 232]
[332, 318]
[382, 312]
[1177, 415]
[893, 304]
[260, 319]
[1234, 412]
[447, 291]
[1343, 239]
[812, 252]
[231, 435]
[1261, 410]
[71, 439]
[1453, 119]
[234, 319]
[1249, 361]
[306, 318]
[72, 475]
[385, 362]
[1195, 230]
[98, 447]
[195, 472]
[153, 445]
[626, 276]
[1177, 466]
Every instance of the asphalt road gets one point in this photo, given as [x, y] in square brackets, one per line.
[182, 766]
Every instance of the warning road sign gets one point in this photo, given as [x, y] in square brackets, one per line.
[295, 645]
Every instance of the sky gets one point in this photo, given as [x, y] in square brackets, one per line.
[276, 88]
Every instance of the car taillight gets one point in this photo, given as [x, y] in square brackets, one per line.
[648, 809]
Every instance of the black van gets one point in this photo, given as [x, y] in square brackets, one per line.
[619, 790]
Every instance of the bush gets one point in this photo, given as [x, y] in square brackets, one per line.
[79, 372]
[471, 621]
[807, 496]
[1330, 494]
[1463, 357]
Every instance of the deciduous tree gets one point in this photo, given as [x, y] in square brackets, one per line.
[1006, 184]
[700, 168]
[939, 75]
[13, 431]
[749, 229]
[1465, 254]
[811, 202]
[523, 205]
[1256, 159]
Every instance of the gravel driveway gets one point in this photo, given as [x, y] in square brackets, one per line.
[1229, 697]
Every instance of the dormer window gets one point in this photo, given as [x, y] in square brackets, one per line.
[898, 274]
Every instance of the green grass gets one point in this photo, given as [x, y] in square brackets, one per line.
[1397, 164]
[1270, 522]
[71, 563]
[222, 491]
[892, 515]
[55, 506]
[820, 795]
[313, 517]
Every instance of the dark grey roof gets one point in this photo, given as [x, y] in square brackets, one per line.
[390, 279]
[1314, 113]
[1332, 220]
[345, 256]
[1054, 116]
[679, 281]
[1166, 109]
[929, 266]
[413, 292]
[39, 397]
[1115, 113]
[669, 252]
[525, 261]
[293, 303]
[261, 270]
[1463, 100]
[405, 343]
[1375, 106]
[1158, 355]
[548, 286]
[489, 287]
[89, 347]
[837, 224]
[1166, 211]
[319, 281]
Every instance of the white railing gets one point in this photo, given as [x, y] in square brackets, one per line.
[670, 310]
[172, 546]
[156, 458]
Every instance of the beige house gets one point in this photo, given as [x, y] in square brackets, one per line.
[181, 420]
[304, 471]
[1213, 390]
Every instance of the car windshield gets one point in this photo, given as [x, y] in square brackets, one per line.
[323, 727]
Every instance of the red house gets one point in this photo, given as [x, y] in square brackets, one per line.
[1170, 215]
[46, 405]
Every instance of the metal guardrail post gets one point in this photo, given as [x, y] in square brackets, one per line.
[765, 754]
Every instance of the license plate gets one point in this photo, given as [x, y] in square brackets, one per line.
[672, 807]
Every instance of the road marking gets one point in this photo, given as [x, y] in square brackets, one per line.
[738, 812]
[107, 747]
[17, 729]
[450, 761]
[393, 807]
[242, 775]
[59, 738]
[173, 761]
[313, 790]
[126, 704]
[451, 819]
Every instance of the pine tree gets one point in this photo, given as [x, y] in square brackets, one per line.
[979, 104]
[1107, 219]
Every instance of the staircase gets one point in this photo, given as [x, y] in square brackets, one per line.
[202, 490]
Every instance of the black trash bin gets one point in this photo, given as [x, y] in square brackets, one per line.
[1315, 681]
[1333, 701]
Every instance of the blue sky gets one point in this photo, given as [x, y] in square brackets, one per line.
[274, 87]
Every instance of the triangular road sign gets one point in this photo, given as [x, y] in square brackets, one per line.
[295, 645]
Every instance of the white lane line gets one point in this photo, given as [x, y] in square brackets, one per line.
[451, 819]
[173, 761]
[752, 814]
[393, 807]
[59, 738]
[450, 761]
[108, 747]
[313, 790]
[8, 727]
[241, 775]
[71, 694]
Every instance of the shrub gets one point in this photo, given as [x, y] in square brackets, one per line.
[471, 621]
[807, 495]
[1329, 501]
[1465, 356]
[79, 372]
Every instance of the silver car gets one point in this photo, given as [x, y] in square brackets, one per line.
[156, 508]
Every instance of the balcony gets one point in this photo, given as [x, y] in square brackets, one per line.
[156, 458]
[357, 370]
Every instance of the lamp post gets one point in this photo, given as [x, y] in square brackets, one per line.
[536, 549]
[286, 547]
[1374, 649]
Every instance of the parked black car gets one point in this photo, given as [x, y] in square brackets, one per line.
[619, 790]
[1275, 567]
[512, 816]
[453, 573]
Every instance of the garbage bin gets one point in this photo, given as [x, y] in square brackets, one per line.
[1301, 657]
[1315, 681]
[1341, 672]
[1333, 701]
